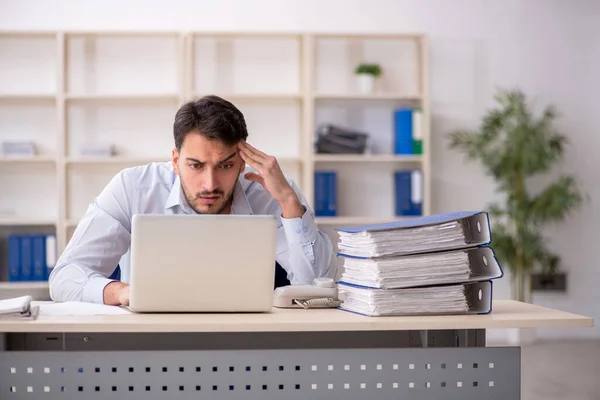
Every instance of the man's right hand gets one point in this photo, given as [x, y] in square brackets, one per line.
[116, 294]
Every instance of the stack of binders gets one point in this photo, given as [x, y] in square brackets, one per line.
[433, 265]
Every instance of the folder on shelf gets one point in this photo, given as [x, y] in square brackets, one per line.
[26, 258]
[51, 256]
[39, 258]
[466, 298]
[427, 269]
[18, 308]
[408, 136]
[14, 258]
[325, 194]
[438, 232]
[409, 192]
[30, 257]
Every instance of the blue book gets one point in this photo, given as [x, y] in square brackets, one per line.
[409, 193]
[403, 131]
[325, 194]
[39, 258]
[14, 258]
[425, 234]
[26, 258]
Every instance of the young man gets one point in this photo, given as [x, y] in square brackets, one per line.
[208, 174]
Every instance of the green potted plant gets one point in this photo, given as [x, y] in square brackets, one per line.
[366, 75]
[514, 146]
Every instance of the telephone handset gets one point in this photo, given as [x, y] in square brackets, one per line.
[323, 293]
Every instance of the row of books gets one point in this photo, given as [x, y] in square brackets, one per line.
[30, 257]
[408, 185]
[438, 264]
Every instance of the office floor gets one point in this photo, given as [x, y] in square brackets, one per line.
[561, 370]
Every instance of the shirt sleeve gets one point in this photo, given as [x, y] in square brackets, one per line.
[101, 238]
[310, 253]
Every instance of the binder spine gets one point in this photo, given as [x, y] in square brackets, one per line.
[26, 258]
[409, 193]
[484, 264]
[14, 258]
[476, 229]
[417, 131]
[51, 256]
[325, 194]
[39, 258]
[479, 297]
[403, 126]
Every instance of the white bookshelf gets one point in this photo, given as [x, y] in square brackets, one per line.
[63, 89]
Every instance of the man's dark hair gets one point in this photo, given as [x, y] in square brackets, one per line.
[211, 116]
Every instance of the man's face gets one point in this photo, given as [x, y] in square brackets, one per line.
[208, 171]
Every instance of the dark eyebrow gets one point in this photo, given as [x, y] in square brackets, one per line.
[228, 157]
[219, 162]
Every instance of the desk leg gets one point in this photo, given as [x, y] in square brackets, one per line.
[296, 365]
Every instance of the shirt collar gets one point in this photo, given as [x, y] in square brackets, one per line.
[240, 204]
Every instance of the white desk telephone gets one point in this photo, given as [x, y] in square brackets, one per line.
[323, 293]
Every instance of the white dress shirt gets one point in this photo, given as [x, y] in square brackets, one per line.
[102, 238]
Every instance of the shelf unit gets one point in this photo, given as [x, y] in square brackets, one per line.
[125, 87]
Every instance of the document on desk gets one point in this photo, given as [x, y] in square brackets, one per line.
[81, 308]
[438, 232]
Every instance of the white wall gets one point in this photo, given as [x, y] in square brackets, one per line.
[549, 48]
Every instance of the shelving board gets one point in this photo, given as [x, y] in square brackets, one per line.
[371, 158]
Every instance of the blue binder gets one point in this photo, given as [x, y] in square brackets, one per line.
[40, 270]
[325, 194]
[26, 258]
[14, 258]
[409, 193]
[474, 227]
[478, 295]
[403, 131]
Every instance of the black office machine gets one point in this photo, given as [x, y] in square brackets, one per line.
[332, 139]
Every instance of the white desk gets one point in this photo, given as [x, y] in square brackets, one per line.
[287, 354]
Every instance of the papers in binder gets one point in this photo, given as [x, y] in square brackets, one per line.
[18, 308]
[468, 298]
[445, 231]
[454, 266]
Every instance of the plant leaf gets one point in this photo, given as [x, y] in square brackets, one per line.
[557, 199]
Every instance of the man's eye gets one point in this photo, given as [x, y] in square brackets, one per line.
[195, 166]
[226, 166]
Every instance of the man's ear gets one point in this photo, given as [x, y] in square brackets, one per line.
[175, 160]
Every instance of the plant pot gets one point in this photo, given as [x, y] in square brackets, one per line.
[366, 83]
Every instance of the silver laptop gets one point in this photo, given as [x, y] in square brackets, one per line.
[202, 263]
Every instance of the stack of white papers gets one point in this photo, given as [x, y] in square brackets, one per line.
[418, 301]
[18, 308]
[408, 271]
[81, 308]
[386, 242]
[436, 264]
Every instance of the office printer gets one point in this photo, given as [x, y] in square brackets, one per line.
[332, 139]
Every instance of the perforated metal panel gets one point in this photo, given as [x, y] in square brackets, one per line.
[411, 373]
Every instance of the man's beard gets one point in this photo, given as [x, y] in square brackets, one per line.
[190, 199]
